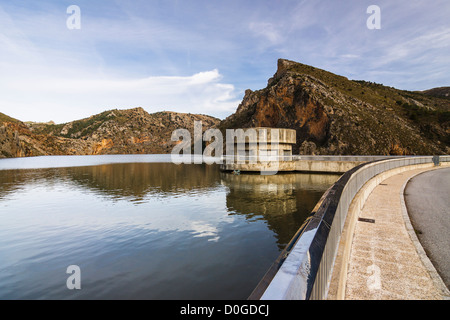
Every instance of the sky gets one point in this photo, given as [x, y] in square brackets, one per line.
[199, 56]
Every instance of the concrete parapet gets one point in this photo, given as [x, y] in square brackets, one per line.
[322, 164]
[304, 268]
[325, 165]
[341, 265]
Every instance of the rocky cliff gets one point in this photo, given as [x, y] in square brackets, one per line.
[132, 131]
[334, 115]
[16, 140]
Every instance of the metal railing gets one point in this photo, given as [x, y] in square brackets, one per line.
[267, 158]
[344, 158]
[303, 270]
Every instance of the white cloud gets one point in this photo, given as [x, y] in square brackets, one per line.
[269, 31]
[350, 56]
[51, 73]
[63, 98]
[65, 83]
[129, 55]
[421, 48]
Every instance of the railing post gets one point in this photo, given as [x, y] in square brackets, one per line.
[436, 161]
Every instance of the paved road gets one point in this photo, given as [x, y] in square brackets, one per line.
[427, 198]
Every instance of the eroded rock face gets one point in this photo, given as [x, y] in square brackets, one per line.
[333, 115]
[285, 104]
[17, 141]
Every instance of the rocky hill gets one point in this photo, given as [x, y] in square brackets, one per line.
[337, 116]
[130, 131]
[443, 92]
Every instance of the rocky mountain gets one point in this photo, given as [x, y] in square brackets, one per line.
[331, 114]
[337, 116]
[132, 131]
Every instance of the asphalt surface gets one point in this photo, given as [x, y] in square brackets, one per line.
[427, 198]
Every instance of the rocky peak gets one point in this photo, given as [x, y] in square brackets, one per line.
[335, 115]
[283, 66]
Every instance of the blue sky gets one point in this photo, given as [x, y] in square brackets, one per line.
[200, 56]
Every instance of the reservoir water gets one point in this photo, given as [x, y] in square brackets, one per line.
[140, 227]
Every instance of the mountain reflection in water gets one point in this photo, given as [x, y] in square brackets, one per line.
[146, 230]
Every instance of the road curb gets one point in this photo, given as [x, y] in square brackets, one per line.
[437, 280]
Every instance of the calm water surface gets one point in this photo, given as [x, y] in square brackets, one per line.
[143, 229]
